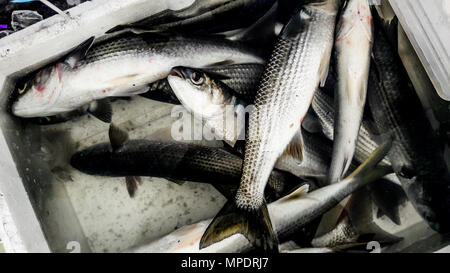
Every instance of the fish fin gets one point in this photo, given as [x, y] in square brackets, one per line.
[296, 194]
[133, 29]
[221, 63]
[117, 137]
[238, 148]
[387, 196]
[255, 225]
[79, 52]
[132, 183]
[374, 158]
[295, 147]
[101, 109]
[296, 24]
[324, 68]
[231, 143]
[176, 181]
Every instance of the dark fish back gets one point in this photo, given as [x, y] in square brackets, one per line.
[416, 156]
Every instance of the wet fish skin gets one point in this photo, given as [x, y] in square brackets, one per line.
[416, 157]
[298, 63]
[242, 79]
[172, 160]
[210, 100]
[353, 46]
[323, 107]
[123, 66]
[288, 214]
[316, 157]
[204, 16]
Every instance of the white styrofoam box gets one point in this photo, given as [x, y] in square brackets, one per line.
[427, 24]
[50, 207]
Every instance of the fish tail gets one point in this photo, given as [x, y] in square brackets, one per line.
[254, 224]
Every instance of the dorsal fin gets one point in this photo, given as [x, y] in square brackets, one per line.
[79, 52]
[117, 137]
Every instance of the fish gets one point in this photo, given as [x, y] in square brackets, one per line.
[416, 156]
[355, 224]
[353, 47]
[242, 79]
[121, 67]
[203, 17]
[298, 64]
[175, 161]
[316, 157]
[216, 103]
[289, 213]
[211, 101]
[366, 142]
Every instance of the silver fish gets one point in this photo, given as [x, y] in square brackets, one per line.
[210, 100]
[288, 213]
[316, 157]
[298, 64]
[323, 107]
[353, 46]
[123, 66]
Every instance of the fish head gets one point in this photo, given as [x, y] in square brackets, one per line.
[37, 95]
[198, 92]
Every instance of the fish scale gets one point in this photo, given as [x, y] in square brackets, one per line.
[286, 90]
[416, 157]
[324, 108]
[121, 66]
[172, 160]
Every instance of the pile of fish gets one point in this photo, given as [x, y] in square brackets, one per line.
[321, 102]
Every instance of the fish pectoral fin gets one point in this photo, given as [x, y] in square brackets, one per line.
[325, 65]
[221, 63]
[296, 194]
[296, 24]
[79, 52]
[295, 147]
[117, 137]
[255, 225]
[101, 109]
[132, 183]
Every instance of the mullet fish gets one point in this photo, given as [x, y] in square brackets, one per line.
[242, 79]
[416, 156]
[171, 160]
[124, 66]
[203, 16]
[288, 213]
[353, 47]
[323, 107]
[211, 100]
[298, 64]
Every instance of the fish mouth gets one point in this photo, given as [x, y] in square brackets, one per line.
[175, 72]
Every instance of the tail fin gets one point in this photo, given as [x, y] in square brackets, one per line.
[255, 225]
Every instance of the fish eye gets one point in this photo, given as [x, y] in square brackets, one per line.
[197, 78]
[21, 90]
